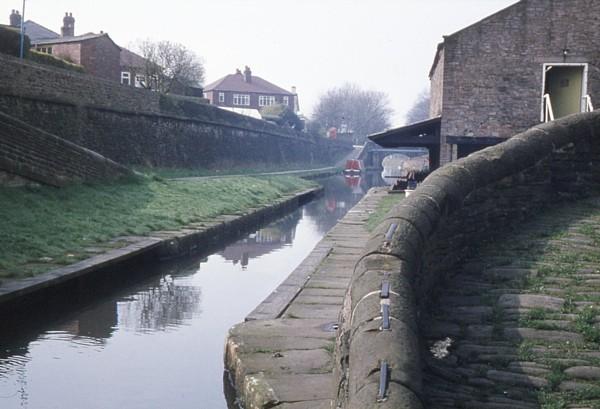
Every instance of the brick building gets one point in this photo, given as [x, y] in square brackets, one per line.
[245, 90]
[97, 53]
[505, 74]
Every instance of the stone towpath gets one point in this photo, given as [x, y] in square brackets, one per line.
[518, 326]
[282, 356]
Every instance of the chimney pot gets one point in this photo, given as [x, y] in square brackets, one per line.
[68, 28]
[15, 19]
[247, 75]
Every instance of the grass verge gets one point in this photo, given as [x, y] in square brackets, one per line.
[43, 227]
[173, 173]
[384, 206]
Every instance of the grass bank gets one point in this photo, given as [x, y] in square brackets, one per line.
[172, 173]
[383, 207]
[42, 227]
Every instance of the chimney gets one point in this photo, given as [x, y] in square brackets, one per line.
[296, 104]
[15, 19]
[68, 28]
[247, 75]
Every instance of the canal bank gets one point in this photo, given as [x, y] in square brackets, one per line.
[157, 342]
[19, 295]
[283, 354]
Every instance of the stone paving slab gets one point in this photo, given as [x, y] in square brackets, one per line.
[519, 324]
[282, 355]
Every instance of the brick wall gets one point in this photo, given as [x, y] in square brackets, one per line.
[423, 238]
[101, 57]
[30, 154]
[492, 83]
[136, 126]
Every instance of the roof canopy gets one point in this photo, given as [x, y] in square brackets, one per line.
[424, 133]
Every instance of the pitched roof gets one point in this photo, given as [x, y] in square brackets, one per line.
[131, 59]
[74, 39]
[36, 32]
[235, 82]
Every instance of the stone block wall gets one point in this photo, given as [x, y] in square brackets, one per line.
[427, 234]
[493, 70]
[140, 127]
[28, 154]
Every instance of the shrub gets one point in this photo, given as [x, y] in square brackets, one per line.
[10, 41]
[48, 59]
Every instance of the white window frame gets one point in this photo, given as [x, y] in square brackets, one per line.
[584, 83]
[241, 99]
[126, 76]
[221, 97]
[266, 100]
[140, 81]
[286, 100]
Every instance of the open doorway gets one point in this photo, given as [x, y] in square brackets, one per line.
[565, 88]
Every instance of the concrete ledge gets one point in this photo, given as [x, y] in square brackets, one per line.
[161, 245]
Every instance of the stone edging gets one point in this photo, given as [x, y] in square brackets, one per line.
[163, 245]
[398, 252]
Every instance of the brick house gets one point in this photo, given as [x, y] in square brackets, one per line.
[506, 73]
[132, 69]
[245, 90]
[97, 53]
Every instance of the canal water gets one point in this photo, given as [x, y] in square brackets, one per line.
[159, 342]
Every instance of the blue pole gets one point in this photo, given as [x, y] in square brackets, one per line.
[22, 31]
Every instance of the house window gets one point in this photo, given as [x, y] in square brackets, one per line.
[241, 99]
[125, 78]
[221, 97]
[47, 50]
[286, 101]
[265, 100]
[140, 81]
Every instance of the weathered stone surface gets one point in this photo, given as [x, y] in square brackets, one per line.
[531, 301]
[572, 386]
[541, 335]
[512, 378]
[584, 372]
[397, 396]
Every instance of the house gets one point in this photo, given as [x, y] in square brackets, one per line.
[97, 53]
[248, 91]
[133, 69]
[531, 62]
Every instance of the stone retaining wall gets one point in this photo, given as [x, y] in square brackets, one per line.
[141, 127]
[30, 154]
[426, 235]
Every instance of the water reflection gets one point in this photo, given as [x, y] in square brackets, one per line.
[164, 306]
[263, 241]
[158, 343]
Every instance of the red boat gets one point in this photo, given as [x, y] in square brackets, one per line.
[353, 166]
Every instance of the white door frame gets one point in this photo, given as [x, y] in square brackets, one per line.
[584, 83]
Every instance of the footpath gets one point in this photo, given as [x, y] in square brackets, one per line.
[518, 326]
[283, 354]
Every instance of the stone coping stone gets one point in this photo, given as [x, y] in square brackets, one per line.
[12, 290]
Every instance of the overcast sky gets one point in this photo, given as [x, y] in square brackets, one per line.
[384, 45]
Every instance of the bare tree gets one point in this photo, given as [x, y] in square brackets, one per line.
[353, 110]
[169, 66]
[420, 109]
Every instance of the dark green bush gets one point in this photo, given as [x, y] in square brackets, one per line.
[10, 41]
